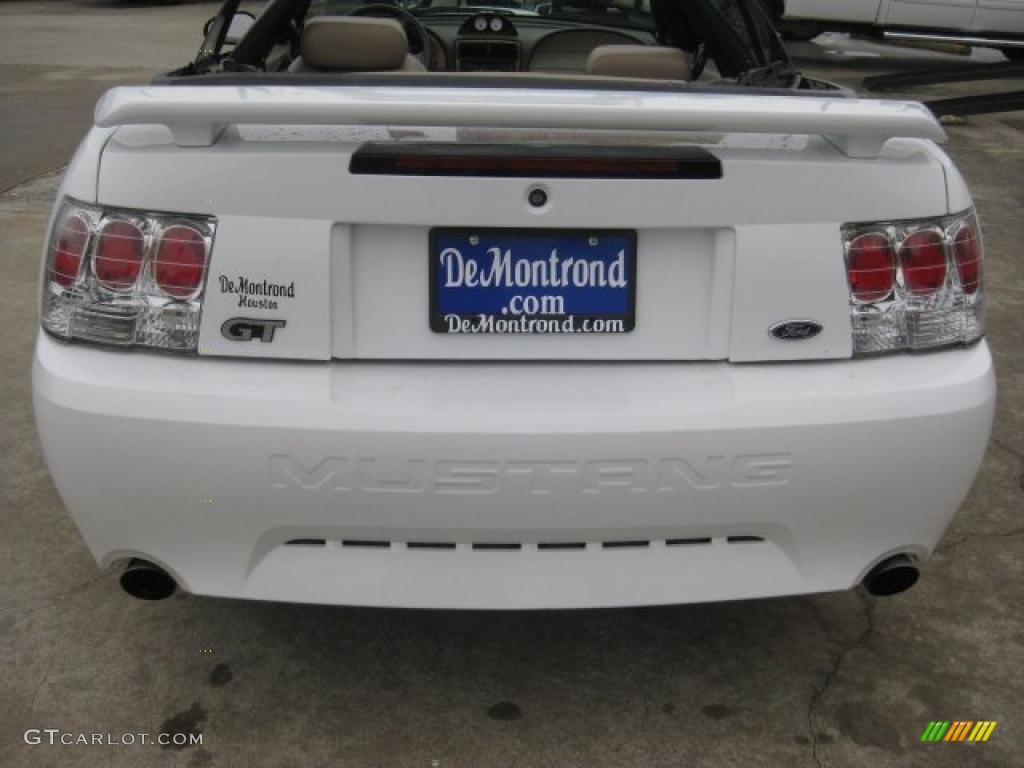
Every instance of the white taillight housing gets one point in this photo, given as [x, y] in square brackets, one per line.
[914, 284]
[125, 277]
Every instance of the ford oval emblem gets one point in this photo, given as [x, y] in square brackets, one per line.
[795, 330]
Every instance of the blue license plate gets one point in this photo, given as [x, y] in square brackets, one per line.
[532, 281]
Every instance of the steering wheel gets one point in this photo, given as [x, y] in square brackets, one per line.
[419, 38]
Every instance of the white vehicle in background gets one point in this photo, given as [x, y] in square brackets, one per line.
[525, 318]
[990, 23]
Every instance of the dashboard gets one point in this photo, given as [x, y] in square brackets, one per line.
[487, 42]
[493, 42]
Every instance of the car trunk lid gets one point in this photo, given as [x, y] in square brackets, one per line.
[343, 255]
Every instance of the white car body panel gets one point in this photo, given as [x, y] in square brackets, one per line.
[220, 462]
[941, 14]
[351, 239]
[359, 423]
[1000, 15]
[996, 18]
[858, 11]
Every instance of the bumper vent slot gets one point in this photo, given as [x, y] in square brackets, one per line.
[366, 543]
[687, 542]
[516, 546]
[625, 544]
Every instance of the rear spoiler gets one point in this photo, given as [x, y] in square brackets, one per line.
[197, 115]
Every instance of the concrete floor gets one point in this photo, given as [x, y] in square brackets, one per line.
[831, 680]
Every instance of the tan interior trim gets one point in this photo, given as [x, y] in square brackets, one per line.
[645, 62]
[354, 44]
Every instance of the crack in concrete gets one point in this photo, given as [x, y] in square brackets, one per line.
[56, 600]
[858, 642]
[949, 546]
[40, 684]
[1018, 455]
[1009, 449]
[31, 180]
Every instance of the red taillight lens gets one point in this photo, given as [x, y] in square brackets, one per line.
[69, 251]
[924, 307]
[143, 285]
[119, 252]
[180, 261]
[967, 254]
[871, 267]
[923, 259]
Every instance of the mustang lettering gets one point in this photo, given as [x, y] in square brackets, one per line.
[537, 478]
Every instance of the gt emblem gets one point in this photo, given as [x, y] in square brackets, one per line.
[795, 330]
[247, 329]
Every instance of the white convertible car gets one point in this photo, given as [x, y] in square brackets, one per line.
[455, 307]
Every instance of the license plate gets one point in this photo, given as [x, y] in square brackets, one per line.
[532, 281]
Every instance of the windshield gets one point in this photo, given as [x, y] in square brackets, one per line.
[736, 36]
[744, 21]
[612, 13]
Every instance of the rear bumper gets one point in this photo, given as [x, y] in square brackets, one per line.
[208, 467]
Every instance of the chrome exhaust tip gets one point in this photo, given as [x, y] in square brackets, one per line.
[891, 576]
[146, 581]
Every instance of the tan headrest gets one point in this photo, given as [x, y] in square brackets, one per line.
[354, 44]
[647, 62]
